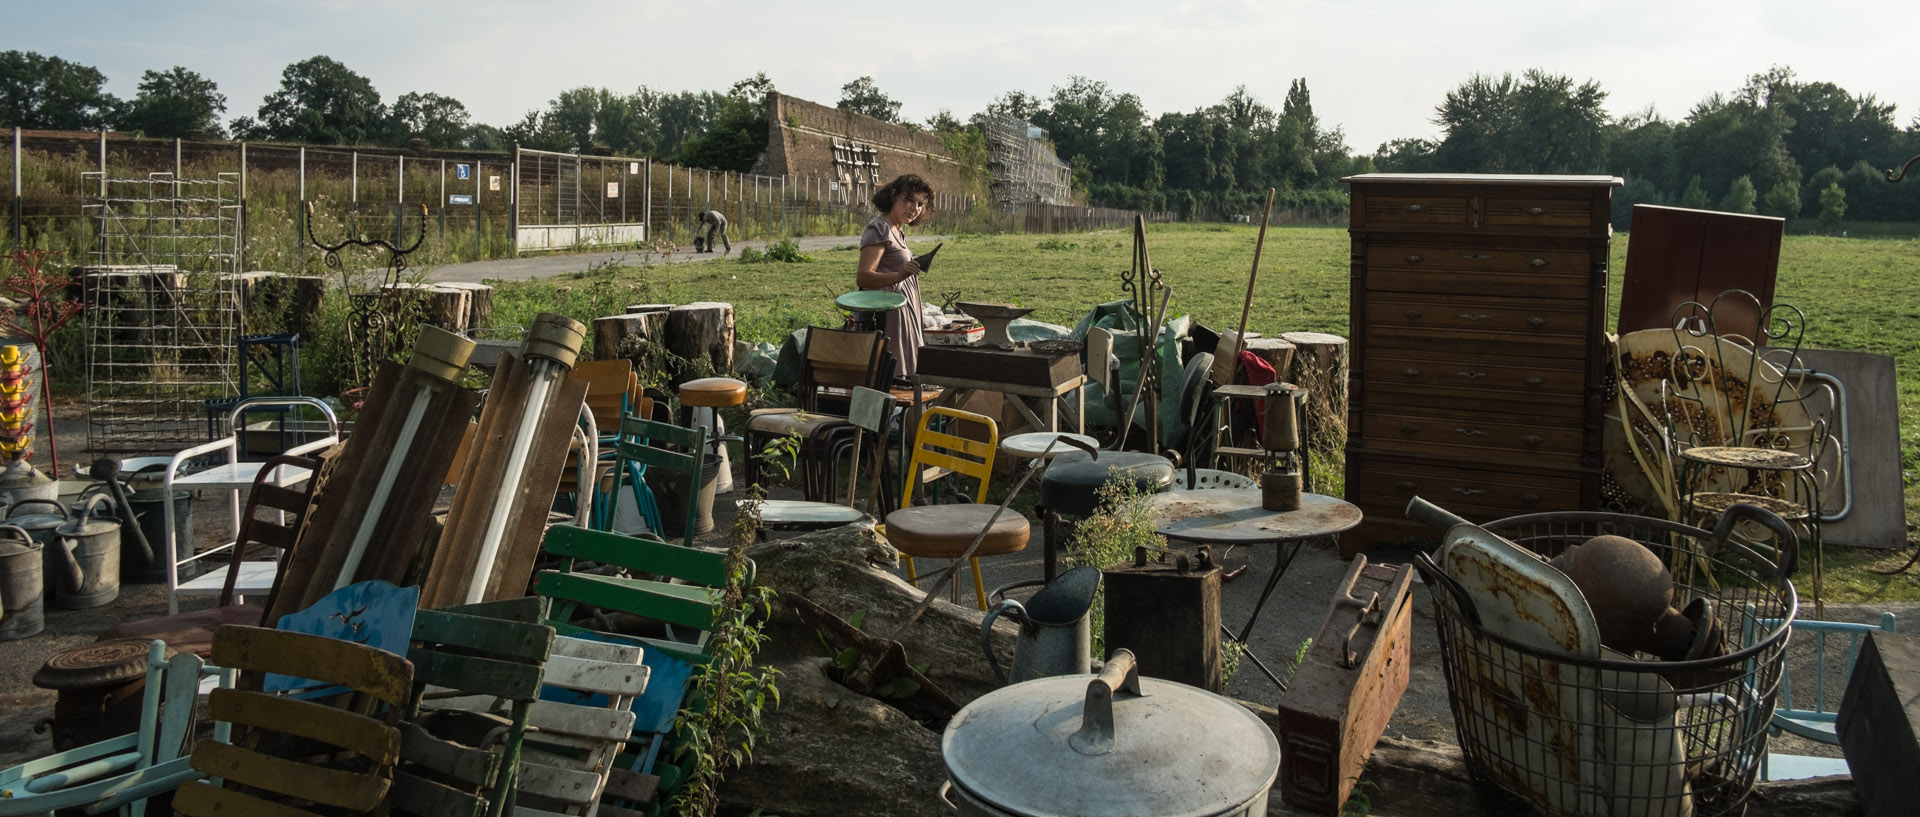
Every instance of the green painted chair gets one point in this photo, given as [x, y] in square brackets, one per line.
[682, 452]
[477, 673]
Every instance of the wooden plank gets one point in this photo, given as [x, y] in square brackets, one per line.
[413, 794]
[603, 677]
[483, 676]
[639, 553]
[598, 650]
[630, 785]
[495, 637]
[567, 785]
[382, 674]
[627, 595]
[466, 764]
[359, 792]
[596, 722]
[202, 799]
[335, 727]
[525, 609]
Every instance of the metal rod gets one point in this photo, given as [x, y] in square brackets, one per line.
[1240, 337]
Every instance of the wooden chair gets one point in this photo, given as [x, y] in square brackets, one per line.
[583, 718]
[274, 515]
[836, 361]
[681, 599]
[460, 753]
[643, 444]
[274, 768]
[945, 531]
[120, 772]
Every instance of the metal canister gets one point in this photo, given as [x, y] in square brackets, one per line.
[88, 548]
[1112, 744]
[21, 585]
[41, 518]
[149, 508]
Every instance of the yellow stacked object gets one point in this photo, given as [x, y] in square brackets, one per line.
[16, 405]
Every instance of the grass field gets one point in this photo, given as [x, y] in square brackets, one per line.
[1860, 294]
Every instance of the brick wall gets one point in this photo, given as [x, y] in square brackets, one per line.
[801, 144]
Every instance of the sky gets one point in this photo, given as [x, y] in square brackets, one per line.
[1376, 68]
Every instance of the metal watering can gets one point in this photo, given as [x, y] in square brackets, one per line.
[1055, 636]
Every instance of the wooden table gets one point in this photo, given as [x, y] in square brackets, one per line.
[1036, 381]
[1233, 516]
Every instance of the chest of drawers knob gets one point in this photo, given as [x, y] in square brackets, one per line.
[1474, 256]
[1534, 381]
[1403, 486]
[1471, 432]
[1472, 316]
[1413, 314]
[1536, 211]
[1537, 263]
[1410, 372]
[1414, 208]
[1536, 321]
[1530, 499]
[1409, 429]
[1471, 375]
[1414, 259]
[1533, 439]
[1465, 491]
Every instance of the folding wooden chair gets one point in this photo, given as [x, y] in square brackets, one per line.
[277, 769]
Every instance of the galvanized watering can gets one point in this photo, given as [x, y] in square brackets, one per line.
[1055, 637]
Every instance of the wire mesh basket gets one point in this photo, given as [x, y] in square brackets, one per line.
[1614, 736]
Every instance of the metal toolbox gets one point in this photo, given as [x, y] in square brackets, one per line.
[1347, 686]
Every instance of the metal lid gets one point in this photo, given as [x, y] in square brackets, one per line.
[38, 522]
[1040, 748]
[102, 663]
[89, 523]
[871, 300]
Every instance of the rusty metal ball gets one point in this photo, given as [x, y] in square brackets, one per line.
[1625, 584]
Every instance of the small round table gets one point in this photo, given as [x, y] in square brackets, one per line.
[1233, 516]
[1033, 445]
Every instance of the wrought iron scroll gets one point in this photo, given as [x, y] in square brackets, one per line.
[1148, 294]
[1894, 176]
[378, 319]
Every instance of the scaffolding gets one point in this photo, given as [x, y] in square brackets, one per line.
[163, 308]
[1024, 167]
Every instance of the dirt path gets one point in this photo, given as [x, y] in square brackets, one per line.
[546, 266]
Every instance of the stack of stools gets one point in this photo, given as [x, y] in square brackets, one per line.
[1071, 487]
[699, 400]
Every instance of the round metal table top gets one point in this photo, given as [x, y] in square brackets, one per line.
[1733, 456]
[871, 300]
[1233, 516]
[1031, 444]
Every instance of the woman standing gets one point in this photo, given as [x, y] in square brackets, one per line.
[885, 263]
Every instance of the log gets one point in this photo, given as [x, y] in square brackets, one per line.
[479, 304]
[1276, 352]
[1320, 365]
[445, 307]
[700, 331]
[628, 336]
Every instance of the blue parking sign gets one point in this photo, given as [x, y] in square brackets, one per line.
[463, 171]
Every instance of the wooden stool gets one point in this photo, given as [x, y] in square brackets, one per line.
[713, 392]
[944, 531]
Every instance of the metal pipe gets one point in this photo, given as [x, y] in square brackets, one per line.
[553, 342]
[439, 356]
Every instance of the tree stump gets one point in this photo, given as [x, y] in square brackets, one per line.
[1276, 352]
[1320, 365]
[627, 336]
[480, 302]
[442, 306]
[697, 332]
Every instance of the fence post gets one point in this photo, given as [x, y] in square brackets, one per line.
[240, 251]
[513, 200]
[300, 215]
[479, 247]
[646, 204]
[16, 188]
[353, 196]
[400, 201]
[103, 196]
[440, 202]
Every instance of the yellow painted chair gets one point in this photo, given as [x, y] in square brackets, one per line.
[945, 531]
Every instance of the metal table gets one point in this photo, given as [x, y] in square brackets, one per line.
[1233, 516]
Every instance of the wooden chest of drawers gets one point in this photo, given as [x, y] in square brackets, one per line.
[1478, 348]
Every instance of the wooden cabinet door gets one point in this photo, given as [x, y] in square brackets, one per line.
[1676, 255]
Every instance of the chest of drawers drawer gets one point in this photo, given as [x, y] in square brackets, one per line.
[1389, 481]
[1534, 328]
[1485, 435]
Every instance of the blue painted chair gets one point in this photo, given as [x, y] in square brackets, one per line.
[1819, 659]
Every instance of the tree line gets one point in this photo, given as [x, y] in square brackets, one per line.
[1777, 145]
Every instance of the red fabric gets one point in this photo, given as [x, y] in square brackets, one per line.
[1256, 371]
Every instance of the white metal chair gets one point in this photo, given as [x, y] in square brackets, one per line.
[232, 476]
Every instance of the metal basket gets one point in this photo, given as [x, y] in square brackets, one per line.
[1620, 737]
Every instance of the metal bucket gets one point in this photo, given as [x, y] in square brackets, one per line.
[147, 508]
[21, 586]
[1055, 635]
[87, 553]
[22, 484]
